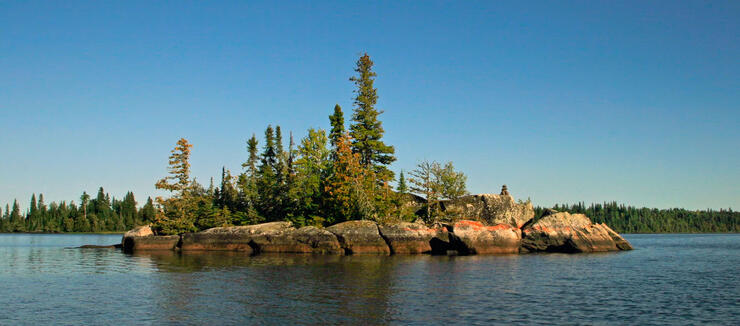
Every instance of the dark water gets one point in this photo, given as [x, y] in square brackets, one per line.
[668, 280]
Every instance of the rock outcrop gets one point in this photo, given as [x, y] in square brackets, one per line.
[142, 238]
[565, 232]
[360, 237]
[274, 237]
[472, 237]
[491, 209]
[415, 238]
[496, 225]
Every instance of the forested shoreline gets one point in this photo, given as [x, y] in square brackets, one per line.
[108, 214]
[326, 178]
[102, 213]
[629, 219]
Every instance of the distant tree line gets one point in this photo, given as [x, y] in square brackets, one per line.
[629, 219]
[100, 214]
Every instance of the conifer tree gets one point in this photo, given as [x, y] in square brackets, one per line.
[228, 191]
[251, 163]
[178, 211]
[402, 188]
[366, 129]
[311, 167]
[248, 185]
[16, 220]
[267, 183]
[148, 211]
[32, 218]
[84, 200]
[337, 125]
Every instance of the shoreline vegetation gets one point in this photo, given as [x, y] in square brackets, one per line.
[327, 178]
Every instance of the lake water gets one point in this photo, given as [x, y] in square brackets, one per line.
[667, 280]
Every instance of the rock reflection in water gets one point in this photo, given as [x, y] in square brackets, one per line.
[270, 288]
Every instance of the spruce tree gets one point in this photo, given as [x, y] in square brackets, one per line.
[251, 163]
[337, 125]
[402, 188]
[267, 182]
[32, 219]
[148, 212]
[248, 185]
[16, 220]
[366, 130]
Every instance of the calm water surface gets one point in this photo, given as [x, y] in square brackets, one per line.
[668, 280]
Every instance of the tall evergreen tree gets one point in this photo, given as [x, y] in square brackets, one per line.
[366, 129]
[228, 191]
[16, 220]
[267, 182]
[248, 192]
[148, 212]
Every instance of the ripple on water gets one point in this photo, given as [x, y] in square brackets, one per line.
[668, 280]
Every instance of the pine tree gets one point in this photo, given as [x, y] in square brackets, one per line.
[178, 214]
[179, 169]
[366, 130]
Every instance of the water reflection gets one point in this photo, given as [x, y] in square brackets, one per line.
[669, 280]
[271, 288]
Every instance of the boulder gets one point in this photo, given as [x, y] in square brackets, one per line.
[142, 238]
[150, 242]
[473, 237]
[233, 238]
[319, 241]
[305, 240]
[139, 231]
[360, 237]
[491, 209]
[274, 237]
[565, 232]
[415, 238]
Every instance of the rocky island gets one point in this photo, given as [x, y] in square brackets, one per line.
[493, 224]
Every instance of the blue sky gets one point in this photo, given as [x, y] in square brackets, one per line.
[592, 101]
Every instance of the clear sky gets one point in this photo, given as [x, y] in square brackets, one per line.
[637, 102]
